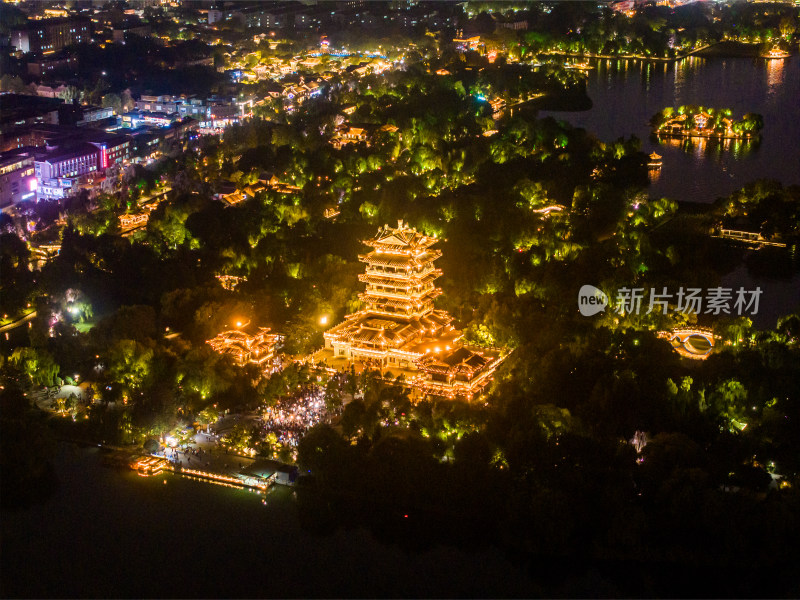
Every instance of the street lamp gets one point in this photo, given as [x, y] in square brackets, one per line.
[323, 320]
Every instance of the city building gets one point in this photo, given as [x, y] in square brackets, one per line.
[45, 65]
[170, 104]
[59, 170]
[400, 328]
[131, 221]
[510, 22]
[36, 136]
[51, 35]
[432, 15]
[17, 177]
[137, 118]
[215, 16]
[146, 141]
[121, 31]
[81, 115]
[355, 134]
[348, 134]
[47, 91]
[470, 43]
[211, 113]
[220, 116]
[83, 160]
[311, 17]
[17, 110]
[273, 15]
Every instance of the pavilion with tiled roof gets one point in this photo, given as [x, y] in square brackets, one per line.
[256, 346]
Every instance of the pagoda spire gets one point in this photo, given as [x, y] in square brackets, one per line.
[400, 273]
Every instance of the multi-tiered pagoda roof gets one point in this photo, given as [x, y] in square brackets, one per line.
[400, 273]
[399, 319]
[399, 327]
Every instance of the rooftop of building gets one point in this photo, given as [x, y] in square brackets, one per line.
[38, 23]
[61, 142]
[38, 57]
[17, 107]
[9, 157]
[401, 238]
[246, 331]
[407, 335]
[54, 135]
[461, 360]
[56, 155]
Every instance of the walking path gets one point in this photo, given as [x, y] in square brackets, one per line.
[21, 321]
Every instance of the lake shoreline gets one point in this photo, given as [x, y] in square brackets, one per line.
[723, 49]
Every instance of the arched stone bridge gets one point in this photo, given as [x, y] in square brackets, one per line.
[691, 342]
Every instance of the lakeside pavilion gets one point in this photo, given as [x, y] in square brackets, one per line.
[249, 345]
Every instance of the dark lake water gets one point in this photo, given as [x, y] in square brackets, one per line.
[110, 533]
[626, 93]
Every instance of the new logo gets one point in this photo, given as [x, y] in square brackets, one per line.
[591, 300]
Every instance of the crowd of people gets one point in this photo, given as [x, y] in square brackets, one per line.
[175, 454]
[291, 418]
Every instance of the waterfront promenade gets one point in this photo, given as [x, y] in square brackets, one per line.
[678, 57]
[205, 453]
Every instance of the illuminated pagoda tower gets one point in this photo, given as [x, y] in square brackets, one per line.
[400, 328]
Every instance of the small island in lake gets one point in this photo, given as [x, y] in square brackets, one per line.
[776, 53]
[693, 121]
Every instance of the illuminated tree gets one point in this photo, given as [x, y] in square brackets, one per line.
[788, 25]
[553, 420]
[129, 363]
[736, 331]
[533, 194]
[753, 122]
[333, 397]
[730, 399]
[240, 437]
[208, 416]
[37, 364]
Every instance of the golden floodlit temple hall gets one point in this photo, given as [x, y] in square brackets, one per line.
[399, 330]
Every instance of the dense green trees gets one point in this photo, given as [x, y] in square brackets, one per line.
[763, 206]
[18, 279]
[38, 365]
[654, 31]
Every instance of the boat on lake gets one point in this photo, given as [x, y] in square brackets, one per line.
[149, 465]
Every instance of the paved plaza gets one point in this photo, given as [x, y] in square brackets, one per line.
[206, 453]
